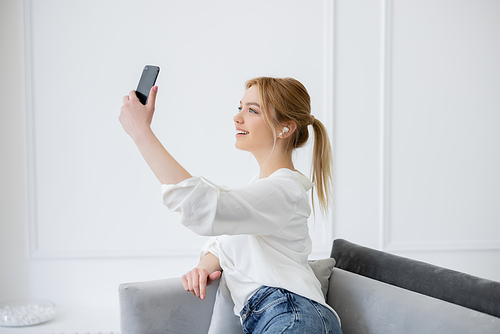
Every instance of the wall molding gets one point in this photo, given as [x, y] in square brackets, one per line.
[385, 223]
[35, 251]
[328, 103]
[385, 125]
[30, 132]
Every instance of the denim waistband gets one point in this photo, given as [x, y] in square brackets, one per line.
[259, 296]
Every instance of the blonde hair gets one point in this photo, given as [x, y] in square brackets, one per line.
[291, 102]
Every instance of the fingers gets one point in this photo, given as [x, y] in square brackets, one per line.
[213, 277]
[132, 95]
[152, 96]
[151, 99]
[203, 286]
[191, 281]
[196, 281]
[185, 282]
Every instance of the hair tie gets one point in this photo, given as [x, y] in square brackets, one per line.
[312, 120]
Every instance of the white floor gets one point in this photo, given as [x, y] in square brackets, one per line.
[74, 321]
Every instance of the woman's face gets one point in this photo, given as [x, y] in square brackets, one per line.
[252, 131]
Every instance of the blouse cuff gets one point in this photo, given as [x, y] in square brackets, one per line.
[196, 201]
[211, 246]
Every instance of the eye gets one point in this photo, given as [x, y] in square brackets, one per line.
[239, 109]
[253, 111]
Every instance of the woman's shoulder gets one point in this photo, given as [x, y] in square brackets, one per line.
[294, 175]
[286, 175]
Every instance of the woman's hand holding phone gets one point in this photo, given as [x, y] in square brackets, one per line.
[139, 106]
[135, 117]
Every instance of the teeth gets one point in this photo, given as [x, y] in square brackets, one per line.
[241, 132]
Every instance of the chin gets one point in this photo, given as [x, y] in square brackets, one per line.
[238, 146]
[241, 147]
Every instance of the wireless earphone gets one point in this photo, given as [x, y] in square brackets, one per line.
[285, 130]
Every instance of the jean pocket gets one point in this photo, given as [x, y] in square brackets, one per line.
[263, 308]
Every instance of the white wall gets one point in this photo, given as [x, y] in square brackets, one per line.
[416, 130]
[91, 215]
[414, 119]
[90, 193]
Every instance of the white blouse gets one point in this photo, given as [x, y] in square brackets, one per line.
[260, 231]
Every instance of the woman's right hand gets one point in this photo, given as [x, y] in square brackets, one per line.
[197, 280]
[136, 117]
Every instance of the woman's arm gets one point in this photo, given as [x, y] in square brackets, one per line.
[263, 207]
[207, 271]
[136, 121]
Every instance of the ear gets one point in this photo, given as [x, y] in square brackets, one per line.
[291, 126]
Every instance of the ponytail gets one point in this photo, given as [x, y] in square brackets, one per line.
[322, 165]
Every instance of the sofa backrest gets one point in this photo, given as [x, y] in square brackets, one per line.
[455, 287]
[368, 306]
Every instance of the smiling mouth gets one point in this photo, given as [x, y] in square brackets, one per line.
[239, 132]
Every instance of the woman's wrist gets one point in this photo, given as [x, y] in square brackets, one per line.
[210, 263]
[143, 134]
[204, 268]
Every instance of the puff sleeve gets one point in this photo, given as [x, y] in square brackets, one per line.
[263, 207]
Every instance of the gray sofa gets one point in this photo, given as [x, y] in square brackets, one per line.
[373, 292]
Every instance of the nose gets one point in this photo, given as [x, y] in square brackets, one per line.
[238, 119]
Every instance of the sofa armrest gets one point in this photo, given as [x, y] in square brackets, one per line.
[163, 306]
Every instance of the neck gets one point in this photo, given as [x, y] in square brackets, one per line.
[270, 163]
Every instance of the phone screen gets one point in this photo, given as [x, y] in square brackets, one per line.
[148, 79]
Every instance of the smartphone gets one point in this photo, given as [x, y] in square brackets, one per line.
[148, 79]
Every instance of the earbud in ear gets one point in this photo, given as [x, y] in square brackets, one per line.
[285, 130]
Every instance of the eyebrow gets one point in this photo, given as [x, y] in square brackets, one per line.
[252, 104]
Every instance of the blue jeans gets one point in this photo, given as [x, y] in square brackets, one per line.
[274, 310]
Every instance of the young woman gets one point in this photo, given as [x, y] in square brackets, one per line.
[259, 232]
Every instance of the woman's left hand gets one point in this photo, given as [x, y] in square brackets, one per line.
[134, 116]
[197, 280]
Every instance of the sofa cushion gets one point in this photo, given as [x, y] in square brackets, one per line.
[323, 270]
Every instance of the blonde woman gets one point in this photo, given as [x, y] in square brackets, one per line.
[259, 232]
